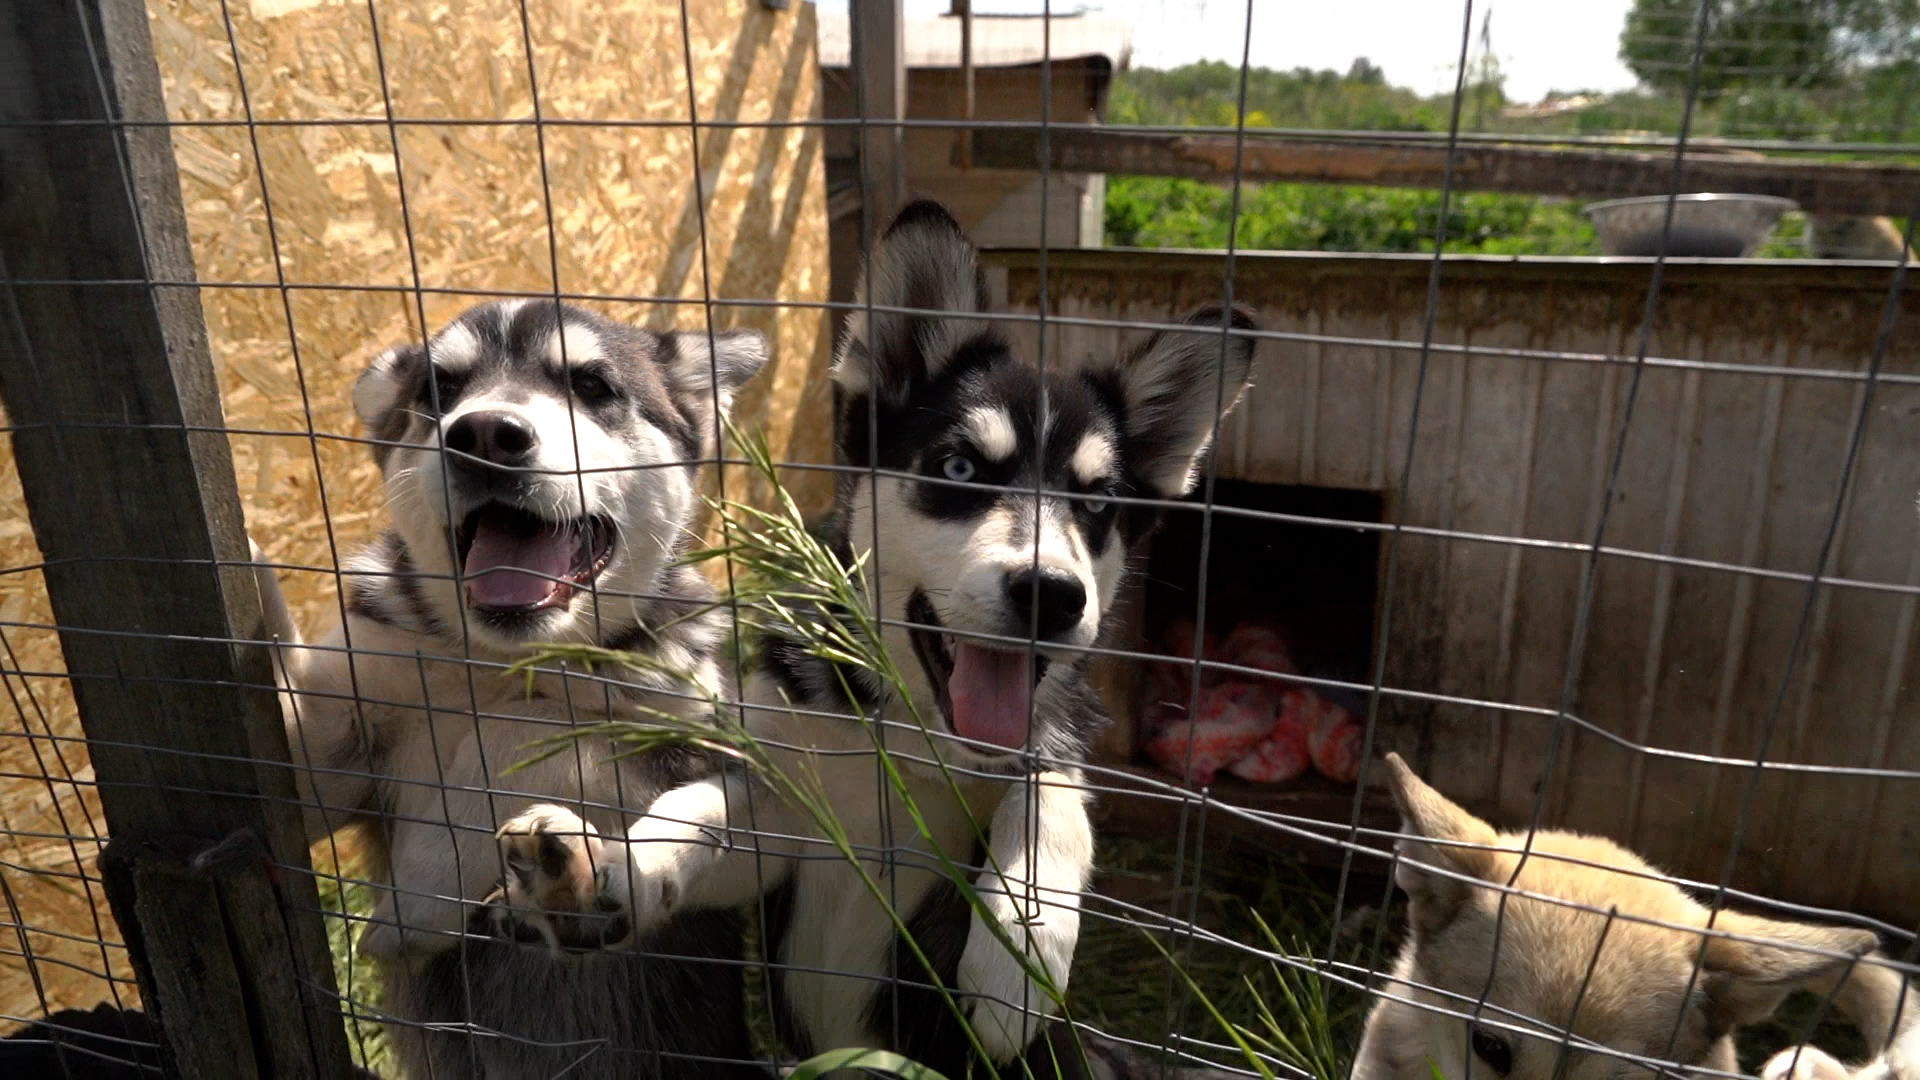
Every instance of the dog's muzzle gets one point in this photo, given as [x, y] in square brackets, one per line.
[985, 688]
[513, 560]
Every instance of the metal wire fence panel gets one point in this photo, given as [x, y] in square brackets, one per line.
[535, 335]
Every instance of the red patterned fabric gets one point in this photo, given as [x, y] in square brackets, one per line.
[1234, 717]
[1335, 747]
[1256, 646]
[1280, 757]
[1266, 731]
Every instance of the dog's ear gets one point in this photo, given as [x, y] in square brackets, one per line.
[1177, 387]
[1434, 898]
[924, 261]
[704, 369]
[1747, 973]
[384, 393]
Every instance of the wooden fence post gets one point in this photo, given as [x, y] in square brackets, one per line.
[877, 46]
[118, 434]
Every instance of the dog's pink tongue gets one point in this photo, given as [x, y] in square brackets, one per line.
[507, 567]
[990, 690]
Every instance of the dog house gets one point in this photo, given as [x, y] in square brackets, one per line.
[1714, 475]
[1058, 68]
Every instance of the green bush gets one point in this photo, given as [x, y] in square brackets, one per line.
[1155, 212]
[1868, 99]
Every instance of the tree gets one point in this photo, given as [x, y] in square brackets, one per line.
[1784, 43]
[1766, 43]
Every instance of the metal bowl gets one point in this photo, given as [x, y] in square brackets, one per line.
[1704, 226]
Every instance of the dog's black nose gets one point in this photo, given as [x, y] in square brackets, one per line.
[1057, 597]
[497, 438]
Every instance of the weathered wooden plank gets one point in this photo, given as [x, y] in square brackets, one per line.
[1728, 456]
[880, 86]
[1494, 432]
[1837, 187]
[131, 493]
[1862, 655]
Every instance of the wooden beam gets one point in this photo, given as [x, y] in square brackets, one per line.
[963, 9]
[879, 58]
[1134, 803]
[1832, 187]
[130, 489]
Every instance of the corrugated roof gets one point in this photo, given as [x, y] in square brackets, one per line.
[998, 40]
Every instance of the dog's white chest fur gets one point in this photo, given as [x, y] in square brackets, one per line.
[840, 939]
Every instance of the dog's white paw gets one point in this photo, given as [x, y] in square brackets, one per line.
[1007, 1007]
[1900, 1062]
[1804, 1063]
[660, 854]
[1902, 1059]
[560, 887]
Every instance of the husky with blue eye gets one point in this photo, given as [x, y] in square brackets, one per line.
[540, 463]
[990, 502]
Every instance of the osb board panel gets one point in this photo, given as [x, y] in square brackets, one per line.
[1720, 466]
[464, 206]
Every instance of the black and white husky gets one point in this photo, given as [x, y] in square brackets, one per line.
[990, 595]
[540, 464]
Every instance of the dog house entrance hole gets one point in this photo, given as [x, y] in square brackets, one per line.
[1314, 585]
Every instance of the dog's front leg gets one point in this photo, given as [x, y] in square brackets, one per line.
[435, 869]
[718, 842]
[326, 733]
[1042, 844]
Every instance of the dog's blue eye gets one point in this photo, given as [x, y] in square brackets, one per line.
[958, 468]
[1095, 505]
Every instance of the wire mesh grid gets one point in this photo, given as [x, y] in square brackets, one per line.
[1638, 560]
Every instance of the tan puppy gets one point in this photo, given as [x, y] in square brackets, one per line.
[1626, 984]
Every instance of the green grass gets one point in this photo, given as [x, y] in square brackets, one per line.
[1158, 212]
[1123, 985]
[356, 979]
[1120, 984]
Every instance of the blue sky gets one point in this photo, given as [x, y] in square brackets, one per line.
[1542, 44]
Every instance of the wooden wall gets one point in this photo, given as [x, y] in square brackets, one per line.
[1719, 465]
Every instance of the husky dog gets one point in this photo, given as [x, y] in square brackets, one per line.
[960, 555]
[1627, 985]
[540, 463]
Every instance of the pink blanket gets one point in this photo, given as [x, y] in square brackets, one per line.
[1258, 729]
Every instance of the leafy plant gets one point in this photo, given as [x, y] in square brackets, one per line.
[1157, 212]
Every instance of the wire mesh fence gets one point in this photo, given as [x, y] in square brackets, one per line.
[537, 735]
